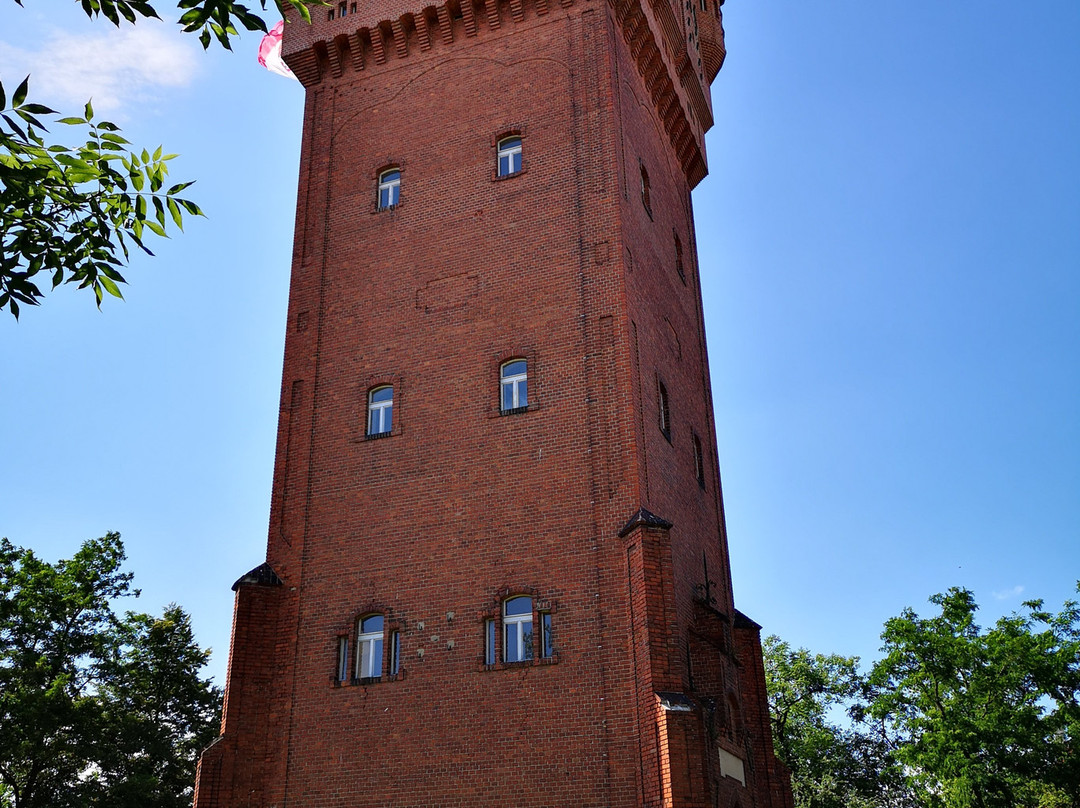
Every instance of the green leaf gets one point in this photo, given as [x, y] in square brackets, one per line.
[174, 209]
[20, 93]
[88, 111]
[37, 109]
[111, 287]
[73, 121]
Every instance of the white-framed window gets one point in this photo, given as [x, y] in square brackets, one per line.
[517, 629]
[369, 647]
[509, 156]
[490, 642]
[395, 652]
[547, 642]
[342, 672]
[389, 188]
[514, 384]
[380, 411]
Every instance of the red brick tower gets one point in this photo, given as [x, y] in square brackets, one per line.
[497, 571]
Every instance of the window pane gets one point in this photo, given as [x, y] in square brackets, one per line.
[343, 659]
[548, 646]
[395, 653]
[515, 162]
[489, 643]
[526, 641]
[514, 368]
[388, 419]
[510, 643]
[518, 642]
[504, 166]
[376, 658]
[365, 659]
[382, 394]
[523, 393]
[371, 624]
[521, 605]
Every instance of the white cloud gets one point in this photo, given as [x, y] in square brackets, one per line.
[1006, 594]
[117, 67]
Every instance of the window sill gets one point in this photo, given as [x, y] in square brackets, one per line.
[497, 177]
[532, 406]
[367, 681]
[528, 663]
[365, 438]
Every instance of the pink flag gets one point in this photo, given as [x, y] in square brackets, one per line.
[270, 52]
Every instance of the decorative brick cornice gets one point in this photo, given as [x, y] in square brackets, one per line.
[328, 46]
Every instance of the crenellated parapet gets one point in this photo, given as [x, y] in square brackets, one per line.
[678, 49]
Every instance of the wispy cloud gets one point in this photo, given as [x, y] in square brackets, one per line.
[1006, 594]
[117, 67]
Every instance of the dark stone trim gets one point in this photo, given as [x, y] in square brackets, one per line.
[744, 622]
[644, 518]
[675, 702]
[262, 575]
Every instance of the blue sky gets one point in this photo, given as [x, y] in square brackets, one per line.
[889, 242]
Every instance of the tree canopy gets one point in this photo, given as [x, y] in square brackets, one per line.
[72, 213]
[96, 708]
[832, 764]
[982, 718]
[951, 716]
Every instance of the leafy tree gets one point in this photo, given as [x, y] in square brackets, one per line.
[69, 213]
[982, 718]
[832, 764]
[96, 709]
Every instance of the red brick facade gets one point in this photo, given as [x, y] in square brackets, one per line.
[600, 500]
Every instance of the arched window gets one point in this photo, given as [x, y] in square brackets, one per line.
[389, 188]
[517, 630]
[514, 384]
[380, 411]
[509, 156]
[369, 647]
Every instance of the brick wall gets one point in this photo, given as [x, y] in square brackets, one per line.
[461, 506]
